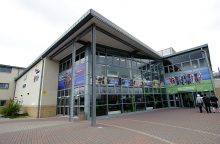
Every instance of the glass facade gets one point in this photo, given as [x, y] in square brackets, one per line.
[65, 83]
[125, 83]
[185, 76]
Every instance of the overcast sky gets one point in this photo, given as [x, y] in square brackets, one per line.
[29, 27]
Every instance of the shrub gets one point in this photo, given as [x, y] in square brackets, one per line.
[11, 109]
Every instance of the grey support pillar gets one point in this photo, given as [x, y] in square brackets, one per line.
[40, 91]
[87, 84]
[93, 44]
[71, 115]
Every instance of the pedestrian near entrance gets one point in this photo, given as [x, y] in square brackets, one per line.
[199, 102]
[214, 103]
[207, 103]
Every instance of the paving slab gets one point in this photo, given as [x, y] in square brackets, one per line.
[165, 126]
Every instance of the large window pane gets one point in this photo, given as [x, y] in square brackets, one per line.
[203, 62]
[139, 99]
[111, 89]
[82, 57]
[116, 61]
[166, 69]
[68, 64]
[139, 65]
[114, 99]
[113, 72]
[64, 66]
[124, 73]
[109, 59]
[101, 58]
[100, 74]
[100, 70]
[186, 66]
[158, 104]
[149, 97]
[134, 64]
[128, 63]
[155, 76]
[101, 110]
[101, 99]
[171, 69]
[137, 74]
[116, 108]
[195, 55]
[140, 106]
[122, 62]
[195, 64]
[157, 97]
[177, 67]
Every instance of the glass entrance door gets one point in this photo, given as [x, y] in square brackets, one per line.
[77, 105]
[177, 100]
[63, 105]
[126, 104]
[187, 99]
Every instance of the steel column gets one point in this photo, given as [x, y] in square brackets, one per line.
[93, 122]
[40, 91]
[71, 115]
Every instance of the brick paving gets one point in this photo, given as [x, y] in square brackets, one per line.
[174, 126]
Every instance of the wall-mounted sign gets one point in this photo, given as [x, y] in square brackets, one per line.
[44, 92]
[37, 73]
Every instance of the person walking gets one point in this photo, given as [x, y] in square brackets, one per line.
[214, 103]
[207, 103]
[199, 102]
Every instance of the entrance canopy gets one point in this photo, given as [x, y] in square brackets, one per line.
[186, 89]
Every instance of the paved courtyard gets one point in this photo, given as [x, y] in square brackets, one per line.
[174, 126]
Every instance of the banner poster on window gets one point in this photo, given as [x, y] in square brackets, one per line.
[193, 80]
[156, 84]
[125, 82]
[65, 79]
[113, 81]
[138, 83]
[148, 83]
[80, 74]
[101, 80]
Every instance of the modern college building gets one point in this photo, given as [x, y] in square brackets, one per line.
[97, 62]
